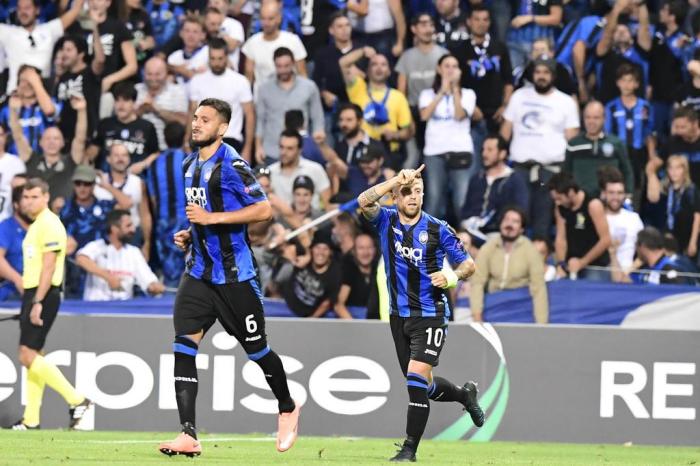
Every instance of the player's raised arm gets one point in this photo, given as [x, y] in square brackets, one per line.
[369, 200]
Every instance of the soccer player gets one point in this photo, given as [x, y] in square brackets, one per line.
[414, 245]
[44, 255]
[220, 280]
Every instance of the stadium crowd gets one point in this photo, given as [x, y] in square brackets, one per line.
[560, 139]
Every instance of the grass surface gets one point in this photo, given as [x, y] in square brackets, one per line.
[50, 447]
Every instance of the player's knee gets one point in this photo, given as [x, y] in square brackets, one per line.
[26, 356]
[256, 356]
[185, 345]
[414, 380]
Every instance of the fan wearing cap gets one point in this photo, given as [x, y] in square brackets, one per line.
[313, 286]
[562, 77]
[302, 210]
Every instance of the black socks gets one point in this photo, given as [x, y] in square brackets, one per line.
[444, 390]
[418, 408]
[186, 383]
[271, 365]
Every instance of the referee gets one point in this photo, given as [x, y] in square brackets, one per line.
[44, 254]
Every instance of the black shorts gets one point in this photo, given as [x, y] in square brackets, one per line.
[418, 338]
[31, 335]
[238, 306]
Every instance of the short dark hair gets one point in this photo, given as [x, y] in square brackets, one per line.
[281, 52]
[211, 9]
[416, 18]
[479, 8]
[501, 142]
[290, 133]
[124, 90]
[217, 43]
[609, 174]
[562, 183]
[671, 243]
[25, 67]
[677, 8]
[686, 111]
[221, 107]
[294, 119]
[518, 210]
[114, 218]
[80, 43]
[627, 69]
[17, 194]
[35, 182]
[174, 134]
[350, 106]
[650, 238]
[335, 16]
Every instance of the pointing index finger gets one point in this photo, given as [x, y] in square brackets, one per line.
[420, 169]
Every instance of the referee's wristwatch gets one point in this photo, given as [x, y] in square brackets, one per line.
[36, 301]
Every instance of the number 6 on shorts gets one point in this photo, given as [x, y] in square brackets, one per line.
[250, 323]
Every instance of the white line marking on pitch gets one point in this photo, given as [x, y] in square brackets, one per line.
[214, 439]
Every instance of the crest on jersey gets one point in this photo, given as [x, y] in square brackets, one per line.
[423, 237]
[97, 211]
[207, 175]
[608, 149]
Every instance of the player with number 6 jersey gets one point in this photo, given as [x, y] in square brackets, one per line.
[220, 280]
[414, 246]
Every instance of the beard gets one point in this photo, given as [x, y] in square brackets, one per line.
[352, 132]
[543, 88]
[126, 239]
[204, 143]
[509, 236]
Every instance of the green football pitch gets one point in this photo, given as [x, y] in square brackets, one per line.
[54, 447]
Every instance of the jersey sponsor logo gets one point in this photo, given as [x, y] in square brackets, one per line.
[413, 255]
[131, 146]
[30, 121]
[196, 196]
[532, 120]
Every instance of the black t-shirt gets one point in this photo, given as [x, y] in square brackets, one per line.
[327, 74]
[87, 84]
[665, 70]
[112, 33]
[688, 95]
[450, 31]
[351, 155]
[581, 234]
[564, 82]
[606, 75]
[485, 70]
[139, 137]
[677, 146]
[58, 176]
[306, 289]
[683, 205]
[359, 283]
[139, 25]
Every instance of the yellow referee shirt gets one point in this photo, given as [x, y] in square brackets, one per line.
[45, 234]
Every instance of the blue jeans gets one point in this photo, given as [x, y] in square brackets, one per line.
[594, 275]
[441, 181]
[519, 53]
[479, 132]
[500, 18]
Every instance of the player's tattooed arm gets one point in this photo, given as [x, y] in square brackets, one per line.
[465, 270]
[369, 203]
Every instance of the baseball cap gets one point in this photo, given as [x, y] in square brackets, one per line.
[303, 181]
[370, 154]
[322, 237]
[84, 173]
[546, 60]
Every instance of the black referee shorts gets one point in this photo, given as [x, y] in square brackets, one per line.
[32, 335]
[238, 306]
[418, 338]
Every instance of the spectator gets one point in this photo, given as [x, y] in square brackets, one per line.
[681, 199]
[384, 27]
[138, 22]
[533, 20]
[486, 70]
[117, 44]
[129, 191]
[688, 93]
[32, 43]
[79, 79]
[291, 165]
[219, 26]
[259, 49]
[540, 120]
[583, 236]
[359, 276]
[684, 140]
[660, 268]
[159, 100]
[327, 74]
[223, 83]
[301, 210]
[294, 121]
[344, 232]
[279, 206]
[562, 77]
[313, 286]
[317, 24]
[191, 59]
[451, 23]
[594, 148]
[631, 119]
[12, 232]
[545, 249]
[355, 141]
[358, 177]
[447, 108]
[276, 96]
[113, 265]
[623, 224]
[493, 189]
[618, 45]
[50, 164]
[37, 110]
[165, 183]
[165, 18]
[509, 261]
[387, 116]
[125, 127]
[10, 166]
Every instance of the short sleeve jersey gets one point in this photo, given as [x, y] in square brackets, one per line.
[45, 234]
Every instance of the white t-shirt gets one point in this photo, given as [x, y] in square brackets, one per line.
[442, 132]
[10, 165]
[234, 29]
[378, 18]
[261, 51]
[230, 87]
[539, 122]
[173, 98]
[126, 262]
[199, 59]
[282, 183]
[17, 42]
[624, 226]
[132, 188]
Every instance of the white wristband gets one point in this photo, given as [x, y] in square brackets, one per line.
[451, 277]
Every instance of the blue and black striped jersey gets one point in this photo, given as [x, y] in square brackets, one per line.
[166, 186]
[632, 125]
[224, 183]
[411, 254]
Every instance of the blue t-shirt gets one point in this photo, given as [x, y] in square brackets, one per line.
[165, 182]
[86, 224]
[632, 125]
[11, 237]
[411, 254]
